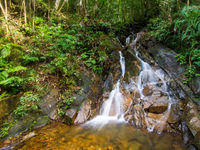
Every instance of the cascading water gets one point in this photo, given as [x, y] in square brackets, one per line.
[148, 76]
[111, 109]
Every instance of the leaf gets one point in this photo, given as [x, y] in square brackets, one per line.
[5, 52]
[93, 61]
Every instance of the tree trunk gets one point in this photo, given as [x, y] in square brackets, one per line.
[95, 8]
[5, 13]
[119, 3]
[24, 5]
[49, 7]
[33, 15]
[188, 2]
[57, 4]
[86, 7]
[67, 5]
[62, 5]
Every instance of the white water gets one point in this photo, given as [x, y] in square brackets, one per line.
[111, 109]
[149, 76]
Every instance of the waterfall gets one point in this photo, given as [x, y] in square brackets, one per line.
[111, 109]
[148, 76]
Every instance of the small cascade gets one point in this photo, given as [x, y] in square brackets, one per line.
[118, 106]
[111, 109]
[148, 76]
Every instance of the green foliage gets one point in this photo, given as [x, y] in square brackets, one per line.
[65, 104]
[181, 34]
[12, 73]
[5, 128]
[28, 103]
[54, 45]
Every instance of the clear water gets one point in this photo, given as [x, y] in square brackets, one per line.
[111, 137]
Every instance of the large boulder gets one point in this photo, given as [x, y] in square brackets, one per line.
[28, 122]
[84, 113]
[48, 104]
[192, 118]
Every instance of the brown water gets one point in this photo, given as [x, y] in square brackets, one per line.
[112, 137]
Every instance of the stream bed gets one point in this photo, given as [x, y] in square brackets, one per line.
[57, 136]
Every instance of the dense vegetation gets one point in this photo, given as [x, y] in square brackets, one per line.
[49, 41]
[178, 27]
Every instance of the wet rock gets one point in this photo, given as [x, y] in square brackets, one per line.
[157, 122]
[48, 104]
[84, 113]
[147, 91]
[192, 118]
[8, 105]
[127, 102]
[71, 115]
[108, 84]
[157, 108]
[138, 116]
[174, 115]
[195, 125]
[30, 121]
[192, 147]
[131, 62]
[196, 86]
[156, 104]
[167, 60]
[79, 98]
[197, 140]
[154, 116]
[28, 136]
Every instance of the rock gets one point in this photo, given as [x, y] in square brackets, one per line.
[131, 62]
[157, 122]
[71, 115]
[156, 108]
[147, 91]
[156, 104]
[48, 104]
[126, 103]
[185, 132]
[194, 124]
[197, 140]
[154, 116]
[108, 84]
[196, 86]
[8, 105]
[79, 98]
[7, 141]
[29, 121]
[192, 118]
[28, 136]
[191, 147]
[166, 58]
[174, 115]
[138, 116]
[84, 113]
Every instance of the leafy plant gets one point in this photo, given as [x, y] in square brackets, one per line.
[181, 34]
[5, 128]
[28, 102]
